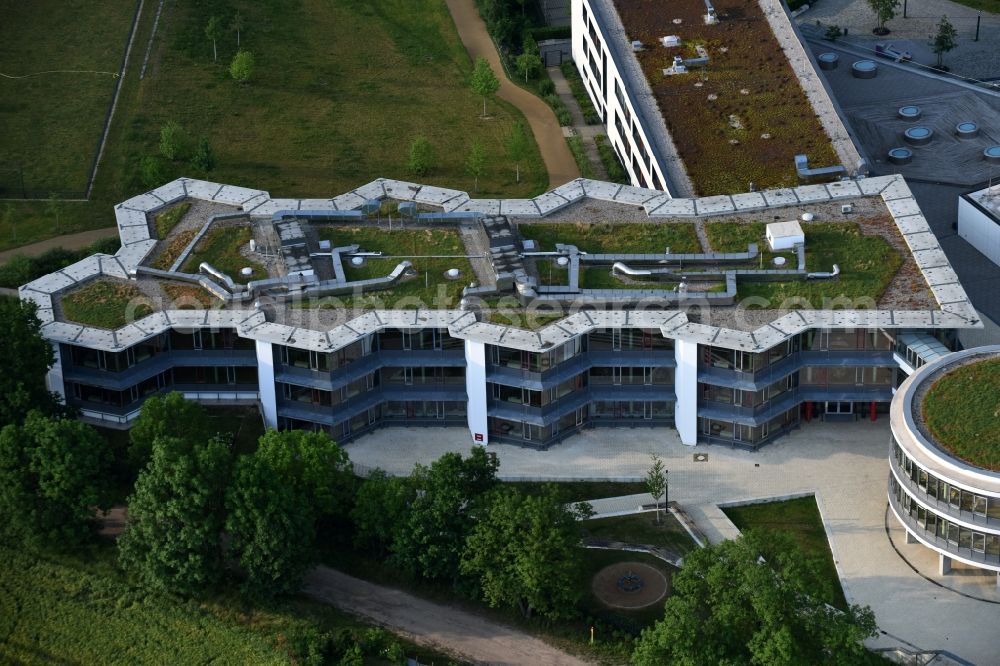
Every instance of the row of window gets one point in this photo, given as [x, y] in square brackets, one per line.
[595, 413]
[213, 376]
[811, 340]
[424, 410]
[719, 430]
[942, 492]
[958, 536]
[429, 339]
[199, 339]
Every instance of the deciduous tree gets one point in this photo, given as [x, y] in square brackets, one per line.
[379, 507]
[517, 148]
[237, 25]
[656, 482]
[27, 358]
[169, 415]
[173, 140]
[421, 156]
[754, 600]
[430, 540]
[945, 40]
[885, 10]
[242, 66]
[203, 158]
[484, 82]
[530, 63]
[525, 553]
[314, 464]
[213, 30]
[53, 473]
[173, 540]
[476, 162]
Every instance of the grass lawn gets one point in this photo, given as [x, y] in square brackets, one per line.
[991, 6]
[867, 263]
[221, 248]
[800, 519]
[106, 304]
[81, 609]
[579, 491]
[188, 297]
[642, 528]
[630, 622]
[168, 219]
[52, 122]
[340, 91]
[429, 287]
[962, 410]
[607, 237]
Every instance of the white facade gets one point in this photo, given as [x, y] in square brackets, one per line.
[475, 384]
[979, 221]
[610, 91]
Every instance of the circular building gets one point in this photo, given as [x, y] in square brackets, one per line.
[944, 478]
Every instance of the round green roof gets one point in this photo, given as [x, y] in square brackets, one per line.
[962, 412]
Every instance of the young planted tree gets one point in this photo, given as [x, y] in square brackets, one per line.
[213, 30]
[656, 482]
[203, 158]
[421, 156]
[27, 359]
[524, 551]
[885, 10]
[53, 208]
[754, 600]
[173, 540]
[151, 171]
[242, 66]
[173, 140]
[237, 25]
[945, 40]
[476, 162]
[517, 148]
[484, 82]
[530, 63]
[53, 474]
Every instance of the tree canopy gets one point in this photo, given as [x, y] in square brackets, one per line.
[170, 415]
[242, 66]
[945, 40]
[53, 473]
[429, 541]
[517, 147]
[314, 464]
[524, 552]
[173, 538]
[379, 508]
[885, 10]
[27, 359]
[753, 600]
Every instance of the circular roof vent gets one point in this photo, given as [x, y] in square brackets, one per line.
[900, 155]
[909, 112]
[918, 136]
[992, 154]
[967, 130]
[828, 60]
[864, 69]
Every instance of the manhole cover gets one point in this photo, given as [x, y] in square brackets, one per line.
[700, 457]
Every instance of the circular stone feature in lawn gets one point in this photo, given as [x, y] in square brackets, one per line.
[864, 69]
[900, 155]
[909, 112]
[962, 412]
[630, 585]
[918, 135]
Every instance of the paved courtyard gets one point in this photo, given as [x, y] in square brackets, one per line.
[845, 465]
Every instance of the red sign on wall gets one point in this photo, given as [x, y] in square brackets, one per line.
[479, 436]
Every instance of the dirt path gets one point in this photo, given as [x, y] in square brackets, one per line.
[431, 624]
[558, 160]
[76, 241]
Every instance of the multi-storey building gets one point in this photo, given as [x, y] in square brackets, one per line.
[704, 365]
[944, 493]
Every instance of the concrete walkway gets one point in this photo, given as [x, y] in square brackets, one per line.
[76, 241]
[845, 465]
[580, 127]
[558, 160]
[444, 628]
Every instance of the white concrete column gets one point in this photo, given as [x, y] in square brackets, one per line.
[909, 536]
[475, 386]
[265, 378]
[686, 388]
[54, 378]
[944, 564]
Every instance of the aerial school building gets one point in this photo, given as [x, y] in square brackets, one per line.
[658, 339]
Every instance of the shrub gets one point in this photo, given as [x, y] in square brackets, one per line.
[546, 87]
